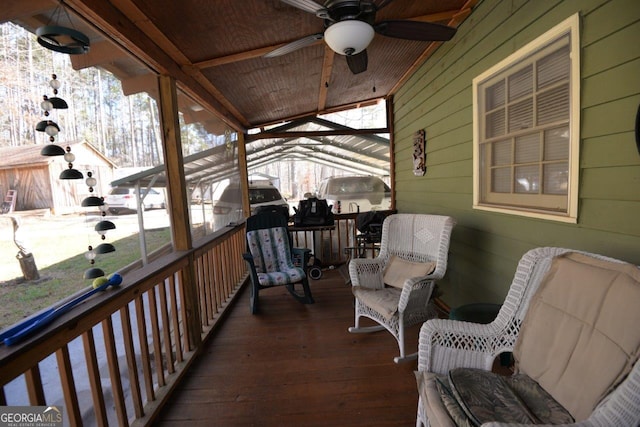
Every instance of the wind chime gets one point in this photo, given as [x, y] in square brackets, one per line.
[71, 41]
[52, 129]
[101, 228]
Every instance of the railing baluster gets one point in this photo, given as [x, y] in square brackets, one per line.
[224, 273]
[93, 371]
[211, 280]
[166, 328]
[155, 333]
[175, 319]
[145, 358]
[203, 279]
[198, 275]
[233, 262]
[130, 351]
[68, 386]
[34, 386]
[183, 311]
[114, 371]
[208, 287]
[217, 281]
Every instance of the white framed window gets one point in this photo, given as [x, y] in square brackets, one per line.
[526, 129]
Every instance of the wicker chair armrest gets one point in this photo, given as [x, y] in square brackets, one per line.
[366, 272]
[416, 292]
[446, 344]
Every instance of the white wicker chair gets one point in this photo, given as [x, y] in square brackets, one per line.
[446, 344]
[415, 238]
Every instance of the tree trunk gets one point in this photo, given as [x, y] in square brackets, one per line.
[28, 266]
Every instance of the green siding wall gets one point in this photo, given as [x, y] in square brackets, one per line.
[486, 246]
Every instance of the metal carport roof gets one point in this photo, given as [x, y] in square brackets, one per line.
[325, 143]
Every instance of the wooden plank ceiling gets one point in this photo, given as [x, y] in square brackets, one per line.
[215, 50]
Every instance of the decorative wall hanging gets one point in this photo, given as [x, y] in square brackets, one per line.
[419, 153]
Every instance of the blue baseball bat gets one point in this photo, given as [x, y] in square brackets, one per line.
[19, 332]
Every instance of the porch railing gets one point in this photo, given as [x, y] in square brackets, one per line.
[115, 359]
[335, 245]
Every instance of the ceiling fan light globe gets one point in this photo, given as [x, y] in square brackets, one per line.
[349, 37]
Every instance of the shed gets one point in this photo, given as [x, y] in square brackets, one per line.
[35, 177]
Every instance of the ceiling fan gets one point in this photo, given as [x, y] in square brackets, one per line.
[350, 26]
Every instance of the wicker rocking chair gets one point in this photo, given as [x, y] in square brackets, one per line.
[394, 289]
[570, 318]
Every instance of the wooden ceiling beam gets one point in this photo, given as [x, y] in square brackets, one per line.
[456, 17]
[313, 134]
[236, 57]
[15, 9]
[255, 53]
[153, 32]
[241, 56]
[325, 77]
[359, 104]
[113, 19]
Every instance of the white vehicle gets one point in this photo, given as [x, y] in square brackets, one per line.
[355, 193]
[228, 208]
[124, 199]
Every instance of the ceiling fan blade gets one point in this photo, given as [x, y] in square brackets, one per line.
[357, 63]
[294, 45]
[306, 5]
[415, 30]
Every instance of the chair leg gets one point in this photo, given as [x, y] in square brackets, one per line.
[356, 329]
[306, 298]
[253, 299]
[403, 357]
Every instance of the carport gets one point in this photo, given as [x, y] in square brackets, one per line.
[313, 139]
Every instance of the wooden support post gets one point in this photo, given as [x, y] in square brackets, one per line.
[392, 156]
[178, 200]
[244, 174]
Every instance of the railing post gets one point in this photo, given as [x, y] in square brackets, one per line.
[178, 201]
[244, 174]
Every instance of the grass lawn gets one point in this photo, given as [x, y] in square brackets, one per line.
[62, 278]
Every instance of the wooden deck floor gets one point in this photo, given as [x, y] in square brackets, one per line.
[295, 365]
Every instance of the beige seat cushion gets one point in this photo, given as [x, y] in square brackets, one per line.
[398, 270]
[384, 301]
[580, 336]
